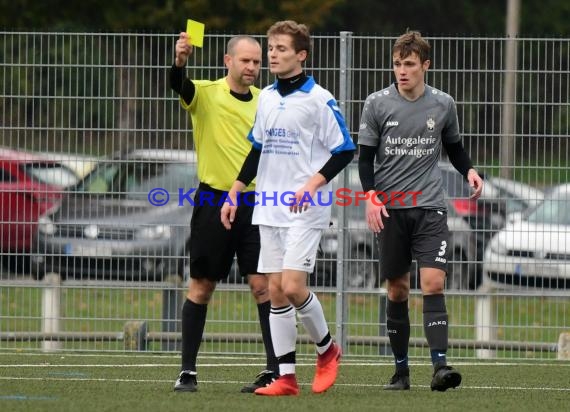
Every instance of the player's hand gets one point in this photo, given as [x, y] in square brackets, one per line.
[302, 199]
[229, 209]
[183, 50]
[476, 183]
[305, 196]
[375, 213]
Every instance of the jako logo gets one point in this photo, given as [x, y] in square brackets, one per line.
[437, 323]
[392, 123]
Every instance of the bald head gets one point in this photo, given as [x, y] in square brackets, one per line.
[234, 41]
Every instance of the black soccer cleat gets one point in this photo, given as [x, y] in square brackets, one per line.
[445, 377]
[263, 379]
[400, 381]
[186, 382]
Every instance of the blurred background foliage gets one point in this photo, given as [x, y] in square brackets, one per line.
[543, 18]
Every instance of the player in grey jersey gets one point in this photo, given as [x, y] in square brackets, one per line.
[402, 130]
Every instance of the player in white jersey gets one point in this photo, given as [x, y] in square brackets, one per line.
[222, 113]
[402, 131]
[300, 143]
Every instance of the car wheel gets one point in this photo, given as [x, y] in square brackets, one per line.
[322, 275]
[362, 269]
[19, 264]
[459, 272]
[37, 270]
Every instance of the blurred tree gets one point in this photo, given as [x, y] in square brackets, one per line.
[254, 16]
[378, 17]
[545, 18]
[432, 18]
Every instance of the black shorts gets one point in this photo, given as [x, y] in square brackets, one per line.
[415, 233]
[212, 246]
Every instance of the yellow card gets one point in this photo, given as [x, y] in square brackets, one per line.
[195, 30]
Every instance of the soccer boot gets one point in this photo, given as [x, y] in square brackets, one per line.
[400, 381]
[445, 377]
[186, 382]
[327, 369]
[263, 378]
[282, 386]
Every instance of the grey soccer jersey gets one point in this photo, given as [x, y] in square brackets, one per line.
[408, 137]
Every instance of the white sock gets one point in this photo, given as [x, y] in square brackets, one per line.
[313, 318]
[283, 327]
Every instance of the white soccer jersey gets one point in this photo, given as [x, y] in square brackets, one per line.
[296, 134]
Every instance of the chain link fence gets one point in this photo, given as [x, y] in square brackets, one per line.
[74, 102]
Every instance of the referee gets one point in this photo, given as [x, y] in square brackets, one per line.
[222, 113]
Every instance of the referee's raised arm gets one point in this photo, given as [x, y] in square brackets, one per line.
[178, 80]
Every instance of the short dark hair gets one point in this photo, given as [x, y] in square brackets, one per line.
[412, 42]
[298, 32]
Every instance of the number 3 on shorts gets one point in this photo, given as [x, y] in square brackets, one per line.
[442, 248]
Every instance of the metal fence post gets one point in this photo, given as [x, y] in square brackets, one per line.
[134, 335]
[485, 321]
[51, 310]
[563, 347]
[343, 98]
[171, 307]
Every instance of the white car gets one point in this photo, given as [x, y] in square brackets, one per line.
[535, 250]
[361, 268]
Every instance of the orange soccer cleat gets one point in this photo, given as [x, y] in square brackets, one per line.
[282, 386]
[327, 369]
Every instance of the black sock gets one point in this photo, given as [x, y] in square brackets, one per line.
[263, 310]
[193, 321]
[325, 340]
[436, 327]
[398, 325]
[288, 358]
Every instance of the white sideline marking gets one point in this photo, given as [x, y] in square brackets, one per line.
[261, 365]
[510, 388]
[380, 361]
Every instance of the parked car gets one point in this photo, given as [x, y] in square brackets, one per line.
[535, 250]
[485, 215]
[361, 268]
[30, 186]
[518, 197]
[44, 168]
[80, 165]
[107, 227]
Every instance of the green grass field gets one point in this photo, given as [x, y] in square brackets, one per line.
[32, 381]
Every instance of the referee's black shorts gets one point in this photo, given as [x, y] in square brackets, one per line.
[414, 233]
[212, 246]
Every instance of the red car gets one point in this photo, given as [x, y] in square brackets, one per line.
[30, 186]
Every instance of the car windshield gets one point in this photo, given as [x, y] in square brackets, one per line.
[50, 173]
[554, 210]
[135, 180]
[513, 203]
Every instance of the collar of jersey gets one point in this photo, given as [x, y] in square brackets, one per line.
[306, 87]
